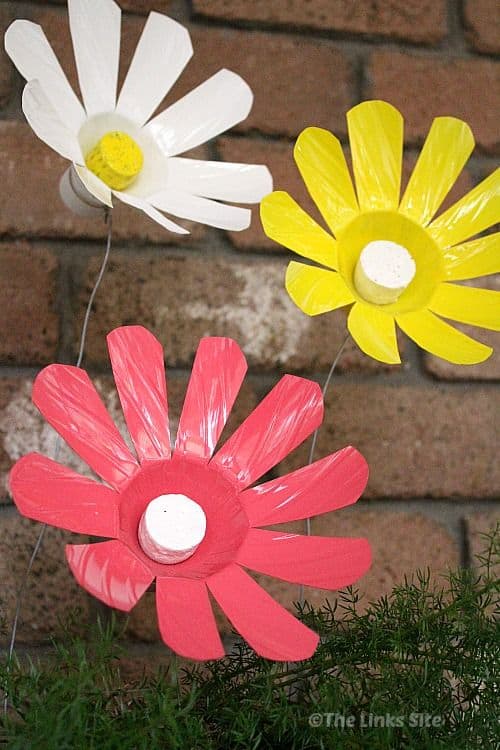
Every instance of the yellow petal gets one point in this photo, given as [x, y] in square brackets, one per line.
[477, 210]
[439, 338]
[316, 290]
[472, 259]
[376, 138]
[284, 221]
[374, 332]
[323, 167]
[479, 307]
[446, 149]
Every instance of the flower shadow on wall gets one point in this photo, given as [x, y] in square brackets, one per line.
[389, 258]
[219, 483]
[114, 146]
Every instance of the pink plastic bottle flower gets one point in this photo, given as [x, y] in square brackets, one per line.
[190, 518]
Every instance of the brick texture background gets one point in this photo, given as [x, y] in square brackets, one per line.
[428, 429]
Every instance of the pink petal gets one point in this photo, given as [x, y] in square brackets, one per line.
[110, 572]
[283, 420]
[322, 562]
[68, 400]
[269, 629]
[328, 484]
[186, 619]
[48, 492]
[139, 371]
[218, 371]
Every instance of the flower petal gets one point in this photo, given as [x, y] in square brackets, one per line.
[316, 290]
[284, 221]
[110, 572]
[322, 562]
[478, 210]
[321, 161]
[68, 400]
[376, 140]
[48, 492]
[144, 205]
[218, 372]
[472, 259]
[46, 123]
[374, 331]
[31, 53]
[162, 53]
[269, 629]
[214, 106]
[446, 149]
[95, 33]
[439, 338]
[203, 210]
[139, 372]
[326, 485]
[94, 185]
[282, 420]
[226, 181]
[186, 619]
[465, 304]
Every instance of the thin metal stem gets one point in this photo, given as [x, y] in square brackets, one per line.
[315, 434]
[58, 443]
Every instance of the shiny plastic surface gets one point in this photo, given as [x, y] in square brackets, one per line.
[110, 572]
[218, 372]
[68, 400]
[142, 389]
[325, 563]
[196, 208]
[269, 629]
[326, 485]
[162, 53]
[186, 619]
[48, 492]
[47, 124]
[221, 180]
[376, 141]
[95, 33]
[282, 420]
[118, 572]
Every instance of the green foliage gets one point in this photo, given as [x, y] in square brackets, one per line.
[415, 670]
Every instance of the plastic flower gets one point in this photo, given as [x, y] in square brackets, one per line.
[388, 257]
[189, 518]
[114, 147]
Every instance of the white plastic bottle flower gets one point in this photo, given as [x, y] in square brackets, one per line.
[114, 146]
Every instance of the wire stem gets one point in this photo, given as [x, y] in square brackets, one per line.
[57, 445]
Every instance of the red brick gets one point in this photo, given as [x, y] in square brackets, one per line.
[482, 19]
[489, 370]
[419, 441]
[184, 298]
[425, 87]
[32, 206]
[29, 322]
[404, 19]
[6, 77]
[52, 595]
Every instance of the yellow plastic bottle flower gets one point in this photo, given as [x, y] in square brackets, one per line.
[387, 257]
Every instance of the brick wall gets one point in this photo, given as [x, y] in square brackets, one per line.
[428, 429]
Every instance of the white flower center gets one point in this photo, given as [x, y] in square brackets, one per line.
[383, 271]
[171, 528]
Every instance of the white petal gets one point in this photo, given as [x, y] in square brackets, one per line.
[144, 205]
[239, 183]
[211, 108]
[95, 31]
[94, 185]
[47, 124]
[31, 53]
[163, 52]
[205, 211]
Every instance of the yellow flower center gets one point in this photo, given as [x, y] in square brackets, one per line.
[116, 159]
[383, 271]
